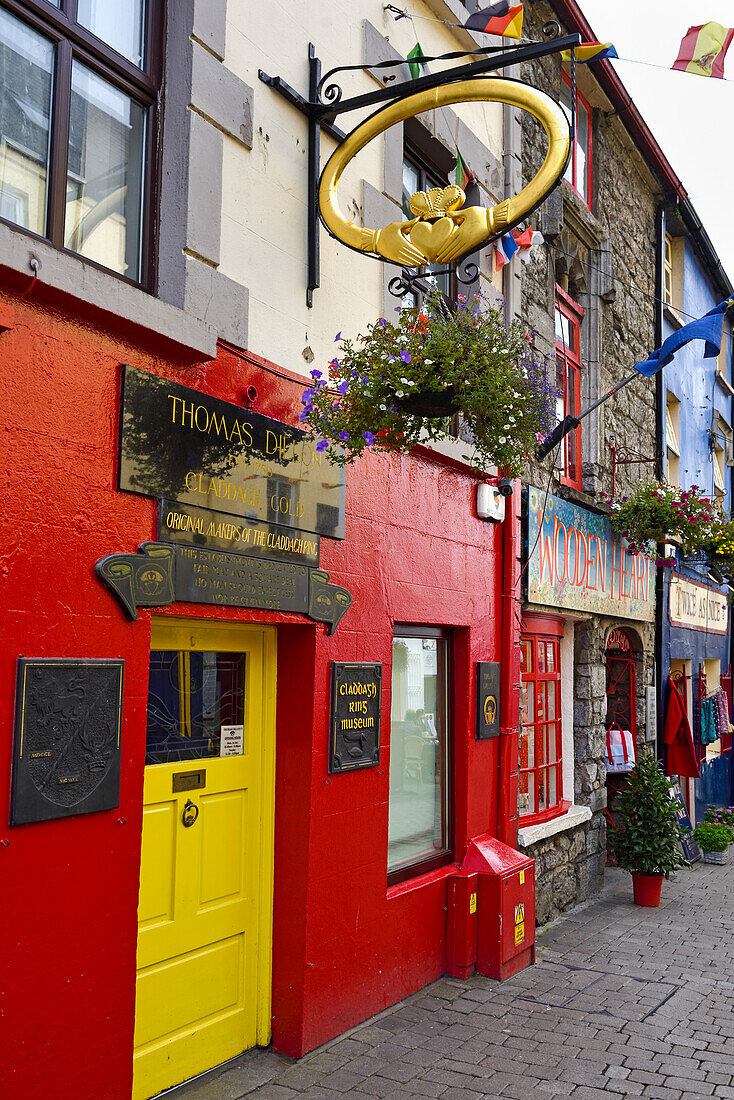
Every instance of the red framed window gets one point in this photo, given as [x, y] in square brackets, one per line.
[568, 380]
[540, 780]
[579, 170]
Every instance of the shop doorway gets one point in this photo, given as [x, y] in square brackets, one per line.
[620, 722]
[206, 877]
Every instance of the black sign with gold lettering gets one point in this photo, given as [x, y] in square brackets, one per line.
[160, 573]
[184, 445]
[214, 531]
[66, 744]
[687, 840]
[356, 705]
[488, 699]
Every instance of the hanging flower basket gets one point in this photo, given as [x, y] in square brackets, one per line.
[433, 406]
[655, 511]
[402, 383]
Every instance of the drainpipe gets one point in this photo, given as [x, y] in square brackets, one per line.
[509, 747]
[659, 444]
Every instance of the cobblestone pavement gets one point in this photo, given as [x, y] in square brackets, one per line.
[623, 1000]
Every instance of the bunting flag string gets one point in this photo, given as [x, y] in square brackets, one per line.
[498, 18]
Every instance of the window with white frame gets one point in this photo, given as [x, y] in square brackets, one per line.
[673, 270]
[672, 437]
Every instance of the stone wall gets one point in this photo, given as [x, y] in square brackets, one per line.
[605, 258]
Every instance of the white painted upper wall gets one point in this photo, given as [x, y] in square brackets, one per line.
[264, 215]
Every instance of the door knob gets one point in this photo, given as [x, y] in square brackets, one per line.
[190, 814]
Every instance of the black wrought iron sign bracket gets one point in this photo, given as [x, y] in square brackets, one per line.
[325, 103]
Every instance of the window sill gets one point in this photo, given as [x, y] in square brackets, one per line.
[531, 834]
[426, 879]
[120, 306]
[673, 315]
[725, 384]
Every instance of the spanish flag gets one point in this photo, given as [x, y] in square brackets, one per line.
[703, 50]
[591, 51]
[498, 18]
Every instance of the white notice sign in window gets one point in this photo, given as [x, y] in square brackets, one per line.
[232, 741]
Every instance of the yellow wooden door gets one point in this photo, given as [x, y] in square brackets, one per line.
[204, 915]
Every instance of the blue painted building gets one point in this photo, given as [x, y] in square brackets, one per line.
[695, 431]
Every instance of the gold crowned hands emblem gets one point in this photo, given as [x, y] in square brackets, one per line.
[440, 232]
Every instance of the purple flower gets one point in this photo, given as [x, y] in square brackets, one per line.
[344, 386]
[304, 415]
[344, 436]
[338, 336]
[398, 308]
[383, 322]
[405, 356]
[316, 374]
[322, 445]
[334, 363]
[369, 437]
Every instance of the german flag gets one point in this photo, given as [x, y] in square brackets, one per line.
[703, 50]
[498, 18]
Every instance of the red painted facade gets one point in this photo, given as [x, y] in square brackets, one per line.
[345, 945]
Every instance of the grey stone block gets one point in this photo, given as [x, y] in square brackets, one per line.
[218, 300]
[204, 213]
[210, 24]
[221, 97]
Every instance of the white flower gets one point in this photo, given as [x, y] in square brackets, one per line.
[411, 382]
[404, 381]
[428, 362]
[383, 408]
[502, 439]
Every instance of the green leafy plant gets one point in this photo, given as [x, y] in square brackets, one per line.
[712, 837]
[653, 510]
[646, 843]
[401, 384]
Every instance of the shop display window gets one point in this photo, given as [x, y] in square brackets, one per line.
[79, 84]
[419, 831]
[540, 782]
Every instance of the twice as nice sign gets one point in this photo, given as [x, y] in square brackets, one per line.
[574, 560]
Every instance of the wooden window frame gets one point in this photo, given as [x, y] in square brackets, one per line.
[545, 629]
[448, 768]
[74, 42]
[573, 182]
[571, 360]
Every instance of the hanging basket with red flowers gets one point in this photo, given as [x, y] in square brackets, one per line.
[401, 384]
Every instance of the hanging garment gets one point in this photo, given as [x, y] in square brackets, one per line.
[721, 713]
[708, 727]
[680, 756]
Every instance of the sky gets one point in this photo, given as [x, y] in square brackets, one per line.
[690, 116]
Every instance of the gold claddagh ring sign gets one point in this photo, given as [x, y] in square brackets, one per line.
[443, 230]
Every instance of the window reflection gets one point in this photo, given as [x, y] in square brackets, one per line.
[105, 173]
[120, 24]
[26, 78]
[418, 752]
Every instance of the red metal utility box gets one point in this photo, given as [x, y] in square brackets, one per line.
[505, 907]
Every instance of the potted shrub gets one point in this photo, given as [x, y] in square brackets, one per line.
[719, 548]
[402, 383]
[646, 843]
[713, 839]
[655, 510]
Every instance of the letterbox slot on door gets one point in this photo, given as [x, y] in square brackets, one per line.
[189, 781]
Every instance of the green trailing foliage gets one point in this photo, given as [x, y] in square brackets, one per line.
[647, 841]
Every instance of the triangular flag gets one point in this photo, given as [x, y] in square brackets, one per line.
[710, 328]
[464, 175]
[416, 60]
[499, 19]
[703, 50]
[590, 51]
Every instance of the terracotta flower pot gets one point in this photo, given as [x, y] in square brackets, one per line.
[646, 889]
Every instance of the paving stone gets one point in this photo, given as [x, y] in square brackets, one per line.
[622, 1002]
